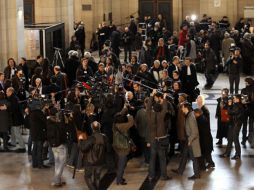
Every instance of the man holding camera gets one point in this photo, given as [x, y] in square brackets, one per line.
[57, 138]
[158, 139]
[234, 66]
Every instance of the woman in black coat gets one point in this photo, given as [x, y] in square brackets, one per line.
[4, 118]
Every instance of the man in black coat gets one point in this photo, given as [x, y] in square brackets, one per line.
[146, 54]
[95, 149]
[71, 66]
[189, 78]
[127, 43]
[103, 35]
[205, 138]
[234, 70]
[5, 122]
[38, 124]
[247, 53]
[16, 118]
[81, 37]
[210, 60]
[174, 66]
[115, 42]
[2, 82]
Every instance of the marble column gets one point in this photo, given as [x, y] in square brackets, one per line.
[177, 14]
[20, 29]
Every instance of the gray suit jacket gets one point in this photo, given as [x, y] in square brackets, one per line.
[192, 133]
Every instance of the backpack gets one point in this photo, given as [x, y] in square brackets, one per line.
[98, 151]
[120, 140]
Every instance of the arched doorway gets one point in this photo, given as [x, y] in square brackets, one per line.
[154, 7]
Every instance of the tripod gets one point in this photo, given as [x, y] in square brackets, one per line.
[57, 57]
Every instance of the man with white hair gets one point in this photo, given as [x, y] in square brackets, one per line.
[225, 46]
[94, 149]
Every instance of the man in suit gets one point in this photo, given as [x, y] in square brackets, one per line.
[2, 81]
[174, 66]
[189, 78]
[191, 148]
[16, 118]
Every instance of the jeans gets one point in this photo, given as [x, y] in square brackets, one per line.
[188, 153]
[145, 150]
[156, 148]
[122, 161]
[51, 155]
[37, 154]
[60, 155]
[234, 80]
[16, 134]
[92, 177]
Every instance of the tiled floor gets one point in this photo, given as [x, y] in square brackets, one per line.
[16, 172]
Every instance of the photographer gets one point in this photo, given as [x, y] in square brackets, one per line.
[236, 112]
[234, 67]
[57, 138]
[38, 131]
[157, 108]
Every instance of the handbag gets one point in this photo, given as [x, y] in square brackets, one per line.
[119, 139]
[224, 115]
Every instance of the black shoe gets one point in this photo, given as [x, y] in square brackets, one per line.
[224, 155]
[6, 150]
[20, 150]
[166, 178]
[194, 177]
[9, 144]
[122, 183]
[210, 165]
[175, 171]
[43, 167]
[235, 157]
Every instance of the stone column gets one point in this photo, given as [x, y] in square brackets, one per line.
[11, 31]
[177, 14]
[20, 29]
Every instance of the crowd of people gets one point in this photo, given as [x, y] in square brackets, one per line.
[99, 115]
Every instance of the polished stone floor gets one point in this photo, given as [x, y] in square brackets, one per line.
[16, 172]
